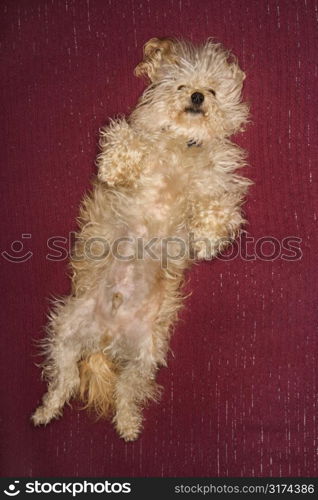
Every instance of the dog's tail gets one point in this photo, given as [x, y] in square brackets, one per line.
[97, 383]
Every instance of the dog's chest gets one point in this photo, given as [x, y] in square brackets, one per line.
[170, 174]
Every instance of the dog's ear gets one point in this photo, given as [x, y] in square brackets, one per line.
[238, 75]
[156, 52]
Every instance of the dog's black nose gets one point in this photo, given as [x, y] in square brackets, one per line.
[197, 98]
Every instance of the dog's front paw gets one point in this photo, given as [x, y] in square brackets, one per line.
[208, 248]
[122, 152]
[43, 415]
[203, 250]
[203, 254]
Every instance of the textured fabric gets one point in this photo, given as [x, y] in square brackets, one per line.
[240, 395]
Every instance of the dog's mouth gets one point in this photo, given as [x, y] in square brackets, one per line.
[194, 110]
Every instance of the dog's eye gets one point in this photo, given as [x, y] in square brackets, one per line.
[181, 87]
[212, 92]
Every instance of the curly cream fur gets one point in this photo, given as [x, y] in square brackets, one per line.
[168, 171]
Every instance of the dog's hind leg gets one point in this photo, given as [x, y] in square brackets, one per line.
[63, 385]
[69, 323]
[142, 347]
[135, 385]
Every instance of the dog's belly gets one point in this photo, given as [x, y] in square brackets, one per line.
[150, 224]
[127, 304]
[151, 230]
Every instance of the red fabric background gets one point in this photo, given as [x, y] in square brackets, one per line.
[240, 391]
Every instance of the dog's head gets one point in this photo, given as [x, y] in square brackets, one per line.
[194, 91]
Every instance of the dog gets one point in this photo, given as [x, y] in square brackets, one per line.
[166, 194]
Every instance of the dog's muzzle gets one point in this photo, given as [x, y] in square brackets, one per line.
[197, 99]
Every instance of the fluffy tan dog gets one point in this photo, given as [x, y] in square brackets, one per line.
[166, 193]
